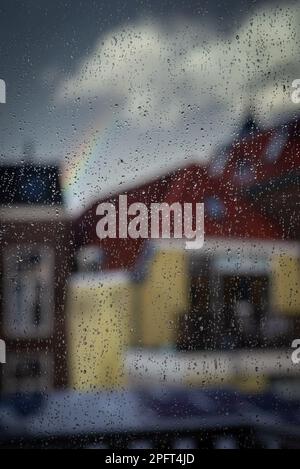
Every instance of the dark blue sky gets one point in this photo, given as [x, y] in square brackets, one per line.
[35, 34]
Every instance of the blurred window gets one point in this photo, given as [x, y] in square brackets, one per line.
[28, 372]
[28, 291]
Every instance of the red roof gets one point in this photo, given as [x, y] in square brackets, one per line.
[228, 212]
[259, 158]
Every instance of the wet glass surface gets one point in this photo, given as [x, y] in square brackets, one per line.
[149, 224]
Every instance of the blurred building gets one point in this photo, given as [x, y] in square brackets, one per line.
[34, 258]
[264, 168]
[134, 306]
[241, 292]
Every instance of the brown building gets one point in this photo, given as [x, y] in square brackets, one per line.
[35, 261]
